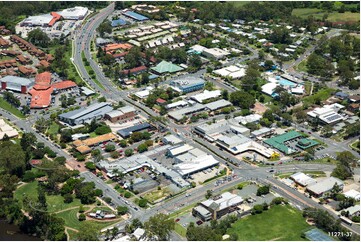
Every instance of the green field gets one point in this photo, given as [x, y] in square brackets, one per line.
[54, 128]
[8, 107]
[321, 95]
[72, 235]
[156, 194]
[278, 223]
[302, 66]
[319, 13]
[71, 220]
[179, 229]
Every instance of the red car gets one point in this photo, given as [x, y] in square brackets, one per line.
[199, 222]
[177, 220]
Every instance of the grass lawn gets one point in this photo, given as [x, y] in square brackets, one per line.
[55, 202]
[54, 128]
[156, 194]
[315, 174]
[72, 235]
[71, 220]
[302, 66]
[332, 17]
[356, 145]
[89, 70]
[179, 229]
[92, 135]
[322, 95]
[182, 211]
[278, 223]
[8, 107]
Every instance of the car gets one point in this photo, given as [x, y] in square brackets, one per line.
[199, 222]
[177, 220]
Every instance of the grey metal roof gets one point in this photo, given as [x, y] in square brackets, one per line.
[178, 114]
[17, 80]
[88, 112]
[218, 104]
[127, 131]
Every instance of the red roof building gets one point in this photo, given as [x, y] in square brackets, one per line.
[135, 70]
[161, 101]
[56, 17]
[64, 85]
[27, 71]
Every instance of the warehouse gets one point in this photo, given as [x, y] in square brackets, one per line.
[205, 95]
[16, 84]
[180, 113]
[126, 133]
[86, 115]
[135, 16]
[187, 84]
[213, 106]
[45, 20]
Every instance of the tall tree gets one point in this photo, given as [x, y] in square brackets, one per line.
[159, 227]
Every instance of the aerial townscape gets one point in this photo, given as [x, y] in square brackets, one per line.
[179, 120]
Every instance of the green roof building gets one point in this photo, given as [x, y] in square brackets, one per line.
[166, 67]
[306, 143]
[278, 142]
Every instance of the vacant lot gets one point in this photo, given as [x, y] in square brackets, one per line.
[332, 17]
[278, 223]
[156, 194]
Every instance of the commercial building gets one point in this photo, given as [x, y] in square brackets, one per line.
[252, 118]
[278, 142]
[180, 113]
[86, 114]
[237, 144]
[171, 140]
[45, 20]
[83, 146]
[178, 150]
[234, 71]
[187, 84]
[165, 67]
[320, 188]
[328, 114]
[127, 132]
[135, 16]
[353, 194]
[7, 130]
[262, 132]
[17, 84]
[205, 95]
[177, 104]
[217, 206]
[122, 113]
[302, 179]
[214, 106]
[192, 161]
[211, 132]
[144, 93]
[76, 13]
[215, 53]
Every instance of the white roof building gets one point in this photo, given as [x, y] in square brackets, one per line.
[75, 13]
[252, 118]
[180, 103]
[324, 186]
[139, 233]
[6, 129]
[171, 139]
[303, 179]
[232, 71]
[213, 106]
[143, 94]
[353, 194]
[178, 150]
[206, 95]
[225, 200]
[328, 113]
[216, 53]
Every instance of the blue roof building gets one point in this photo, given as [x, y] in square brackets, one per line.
[125, 133]
[118, 22]
[187, 84]
[135, 16]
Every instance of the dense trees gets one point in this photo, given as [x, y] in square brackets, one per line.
[38, 38]
[242, 99]
[10, 98]
[12, 158]
[104, 27]
[159, 227]
[343, 169]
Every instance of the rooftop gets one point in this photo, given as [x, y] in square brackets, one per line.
[324, 185]
[225, 200]
[166, 67]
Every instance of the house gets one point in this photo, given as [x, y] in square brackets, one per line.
[352, 211]
[135, 70]
[341, 95]
[354, 98]
[161, 101]
[26, 71]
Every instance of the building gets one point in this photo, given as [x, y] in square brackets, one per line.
[83, 146]
[135, 16]
[237, 144]
[353, 194]
[262, 132]
[211, 132]
[328, 114]
[126, 133]
[320, 188]
[7, 130]
[122, 113]
[139, 234]
[76, 13]
[26, 46]
[216, 105]
[17, 84]
[233, 71]
[4, 43]
[86, 114]
[177, 104]
[188, 84]
[252, 118]
[178, 150]
[215, 53]
[45, 20]
[26, 71]
[86, 91]
[180, 113]
[278, 142]
[302, 179]
[217, 206]
[171, 140]
[352, 211]
[135, 70]
[206, 95]
[192, 161]
[118, 22]
[165, 67]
